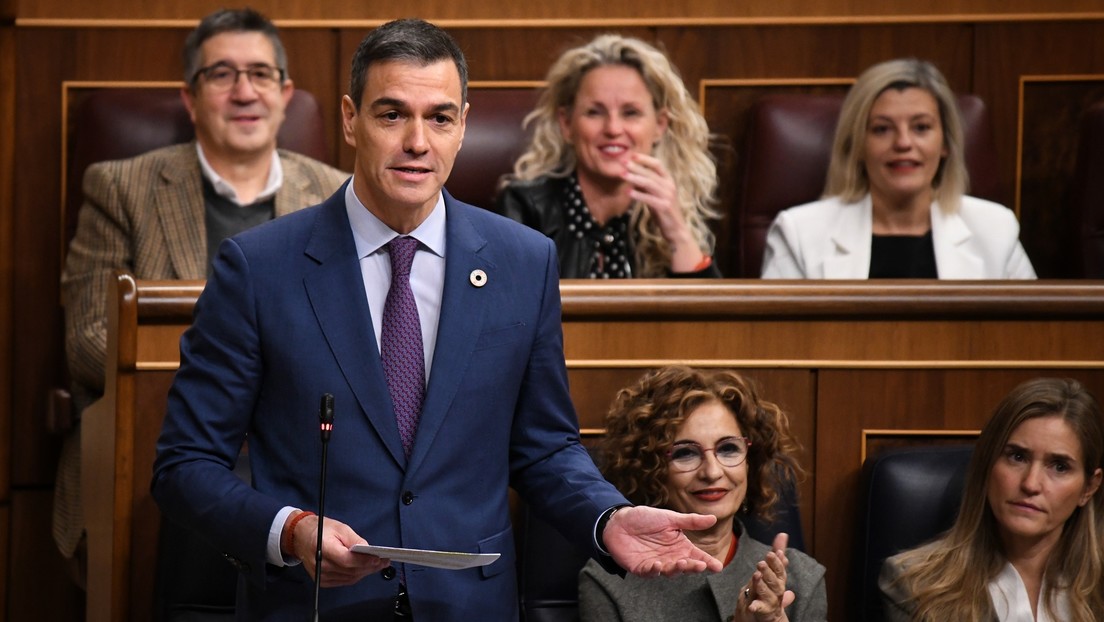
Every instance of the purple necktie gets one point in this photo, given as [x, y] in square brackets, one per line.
[401, 350]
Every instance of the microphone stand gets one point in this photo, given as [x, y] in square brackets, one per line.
[326, 417]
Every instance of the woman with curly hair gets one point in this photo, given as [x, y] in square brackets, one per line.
[703, 441]
[1027, 543]
[618, 171]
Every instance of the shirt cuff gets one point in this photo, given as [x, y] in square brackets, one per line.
[600, 526]
[273, 554]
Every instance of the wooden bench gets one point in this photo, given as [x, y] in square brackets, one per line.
[859, 367]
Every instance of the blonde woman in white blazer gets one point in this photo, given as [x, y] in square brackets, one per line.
[894, 204]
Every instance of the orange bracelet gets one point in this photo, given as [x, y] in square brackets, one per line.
[289, 540]
[703, 264]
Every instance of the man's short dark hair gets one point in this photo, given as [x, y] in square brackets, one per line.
[229, 20]
[408, 40]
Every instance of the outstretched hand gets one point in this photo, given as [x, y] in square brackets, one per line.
[649, 542]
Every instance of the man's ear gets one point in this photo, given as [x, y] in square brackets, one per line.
[348, 120]
[188, 98]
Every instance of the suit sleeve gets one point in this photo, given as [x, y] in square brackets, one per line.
[550, 467]
[781, 254]
[99, 248]
[209, 410]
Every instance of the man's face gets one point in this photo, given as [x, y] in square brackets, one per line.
[238, 121]
[407, 133]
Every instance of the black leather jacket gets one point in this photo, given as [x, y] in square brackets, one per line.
[538, 204]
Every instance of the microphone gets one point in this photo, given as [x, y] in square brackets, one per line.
[325, 417]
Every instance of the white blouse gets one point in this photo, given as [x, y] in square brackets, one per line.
[1009, 597]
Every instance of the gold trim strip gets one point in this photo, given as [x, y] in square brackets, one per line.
[506, 84]
[907, 432]
[595, 23]
[830, 364]
[760, 82]
[156, 366]
[774, 363]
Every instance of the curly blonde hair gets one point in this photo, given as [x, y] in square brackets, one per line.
[683, 148]
[645, 417]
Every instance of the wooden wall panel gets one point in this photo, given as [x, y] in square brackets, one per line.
[576, 10]
[1006, 52]
[984, 53]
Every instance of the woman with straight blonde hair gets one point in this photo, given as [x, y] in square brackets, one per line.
[895, 203]
[1027, 542]
[618, 171]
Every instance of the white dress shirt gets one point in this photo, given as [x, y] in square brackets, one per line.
[1010, 601]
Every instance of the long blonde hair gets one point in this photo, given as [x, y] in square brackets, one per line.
[946, 577]
[683, 148]
[847, 177]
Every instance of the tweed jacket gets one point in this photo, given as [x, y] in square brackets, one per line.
[604, 597]
[144, 215]
[829, 239]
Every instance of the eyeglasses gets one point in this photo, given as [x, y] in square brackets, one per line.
[222, 76]
[730, 452]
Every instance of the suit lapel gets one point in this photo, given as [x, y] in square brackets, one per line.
[849, 257]
[345, 319]
[954, 259]
[180, 209]
[462, 315]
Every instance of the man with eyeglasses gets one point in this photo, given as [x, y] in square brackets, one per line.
[162, 215]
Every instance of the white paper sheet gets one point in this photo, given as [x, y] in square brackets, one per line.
[449, 560]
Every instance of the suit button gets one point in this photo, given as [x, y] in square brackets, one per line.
[387, 573]
[407, 498]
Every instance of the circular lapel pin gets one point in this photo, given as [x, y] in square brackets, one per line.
[478, 278]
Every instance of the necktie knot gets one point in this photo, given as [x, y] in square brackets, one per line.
[402, 251]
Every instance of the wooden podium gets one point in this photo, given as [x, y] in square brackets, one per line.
[859, 366]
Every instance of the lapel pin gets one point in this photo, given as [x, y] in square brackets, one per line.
[478, 278]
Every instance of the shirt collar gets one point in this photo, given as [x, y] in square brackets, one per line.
[223, 187]
[371, 234]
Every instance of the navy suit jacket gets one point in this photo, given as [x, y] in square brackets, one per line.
[284, 319]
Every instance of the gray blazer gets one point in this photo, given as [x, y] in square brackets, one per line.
[707, 596]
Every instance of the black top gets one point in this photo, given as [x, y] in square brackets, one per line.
[555, 207]
[903, 257]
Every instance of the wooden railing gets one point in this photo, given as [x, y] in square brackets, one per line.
[858, 366]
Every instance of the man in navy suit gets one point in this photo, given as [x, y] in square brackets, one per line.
[294, 309]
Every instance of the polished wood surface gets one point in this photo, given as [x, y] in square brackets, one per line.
[614, 10]
[901, 362]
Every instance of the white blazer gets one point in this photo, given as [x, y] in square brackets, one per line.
[829, 239]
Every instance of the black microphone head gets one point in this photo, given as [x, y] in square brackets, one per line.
[326, 415]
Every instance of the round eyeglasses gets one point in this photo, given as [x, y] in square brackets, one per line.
[688, 456]
[222, 76]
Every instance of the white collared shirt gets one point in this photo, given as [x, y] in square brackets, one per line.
[1010, 601]
[223, 187]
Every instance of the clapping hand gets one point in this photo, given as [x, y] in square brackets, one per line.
[765, 597]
